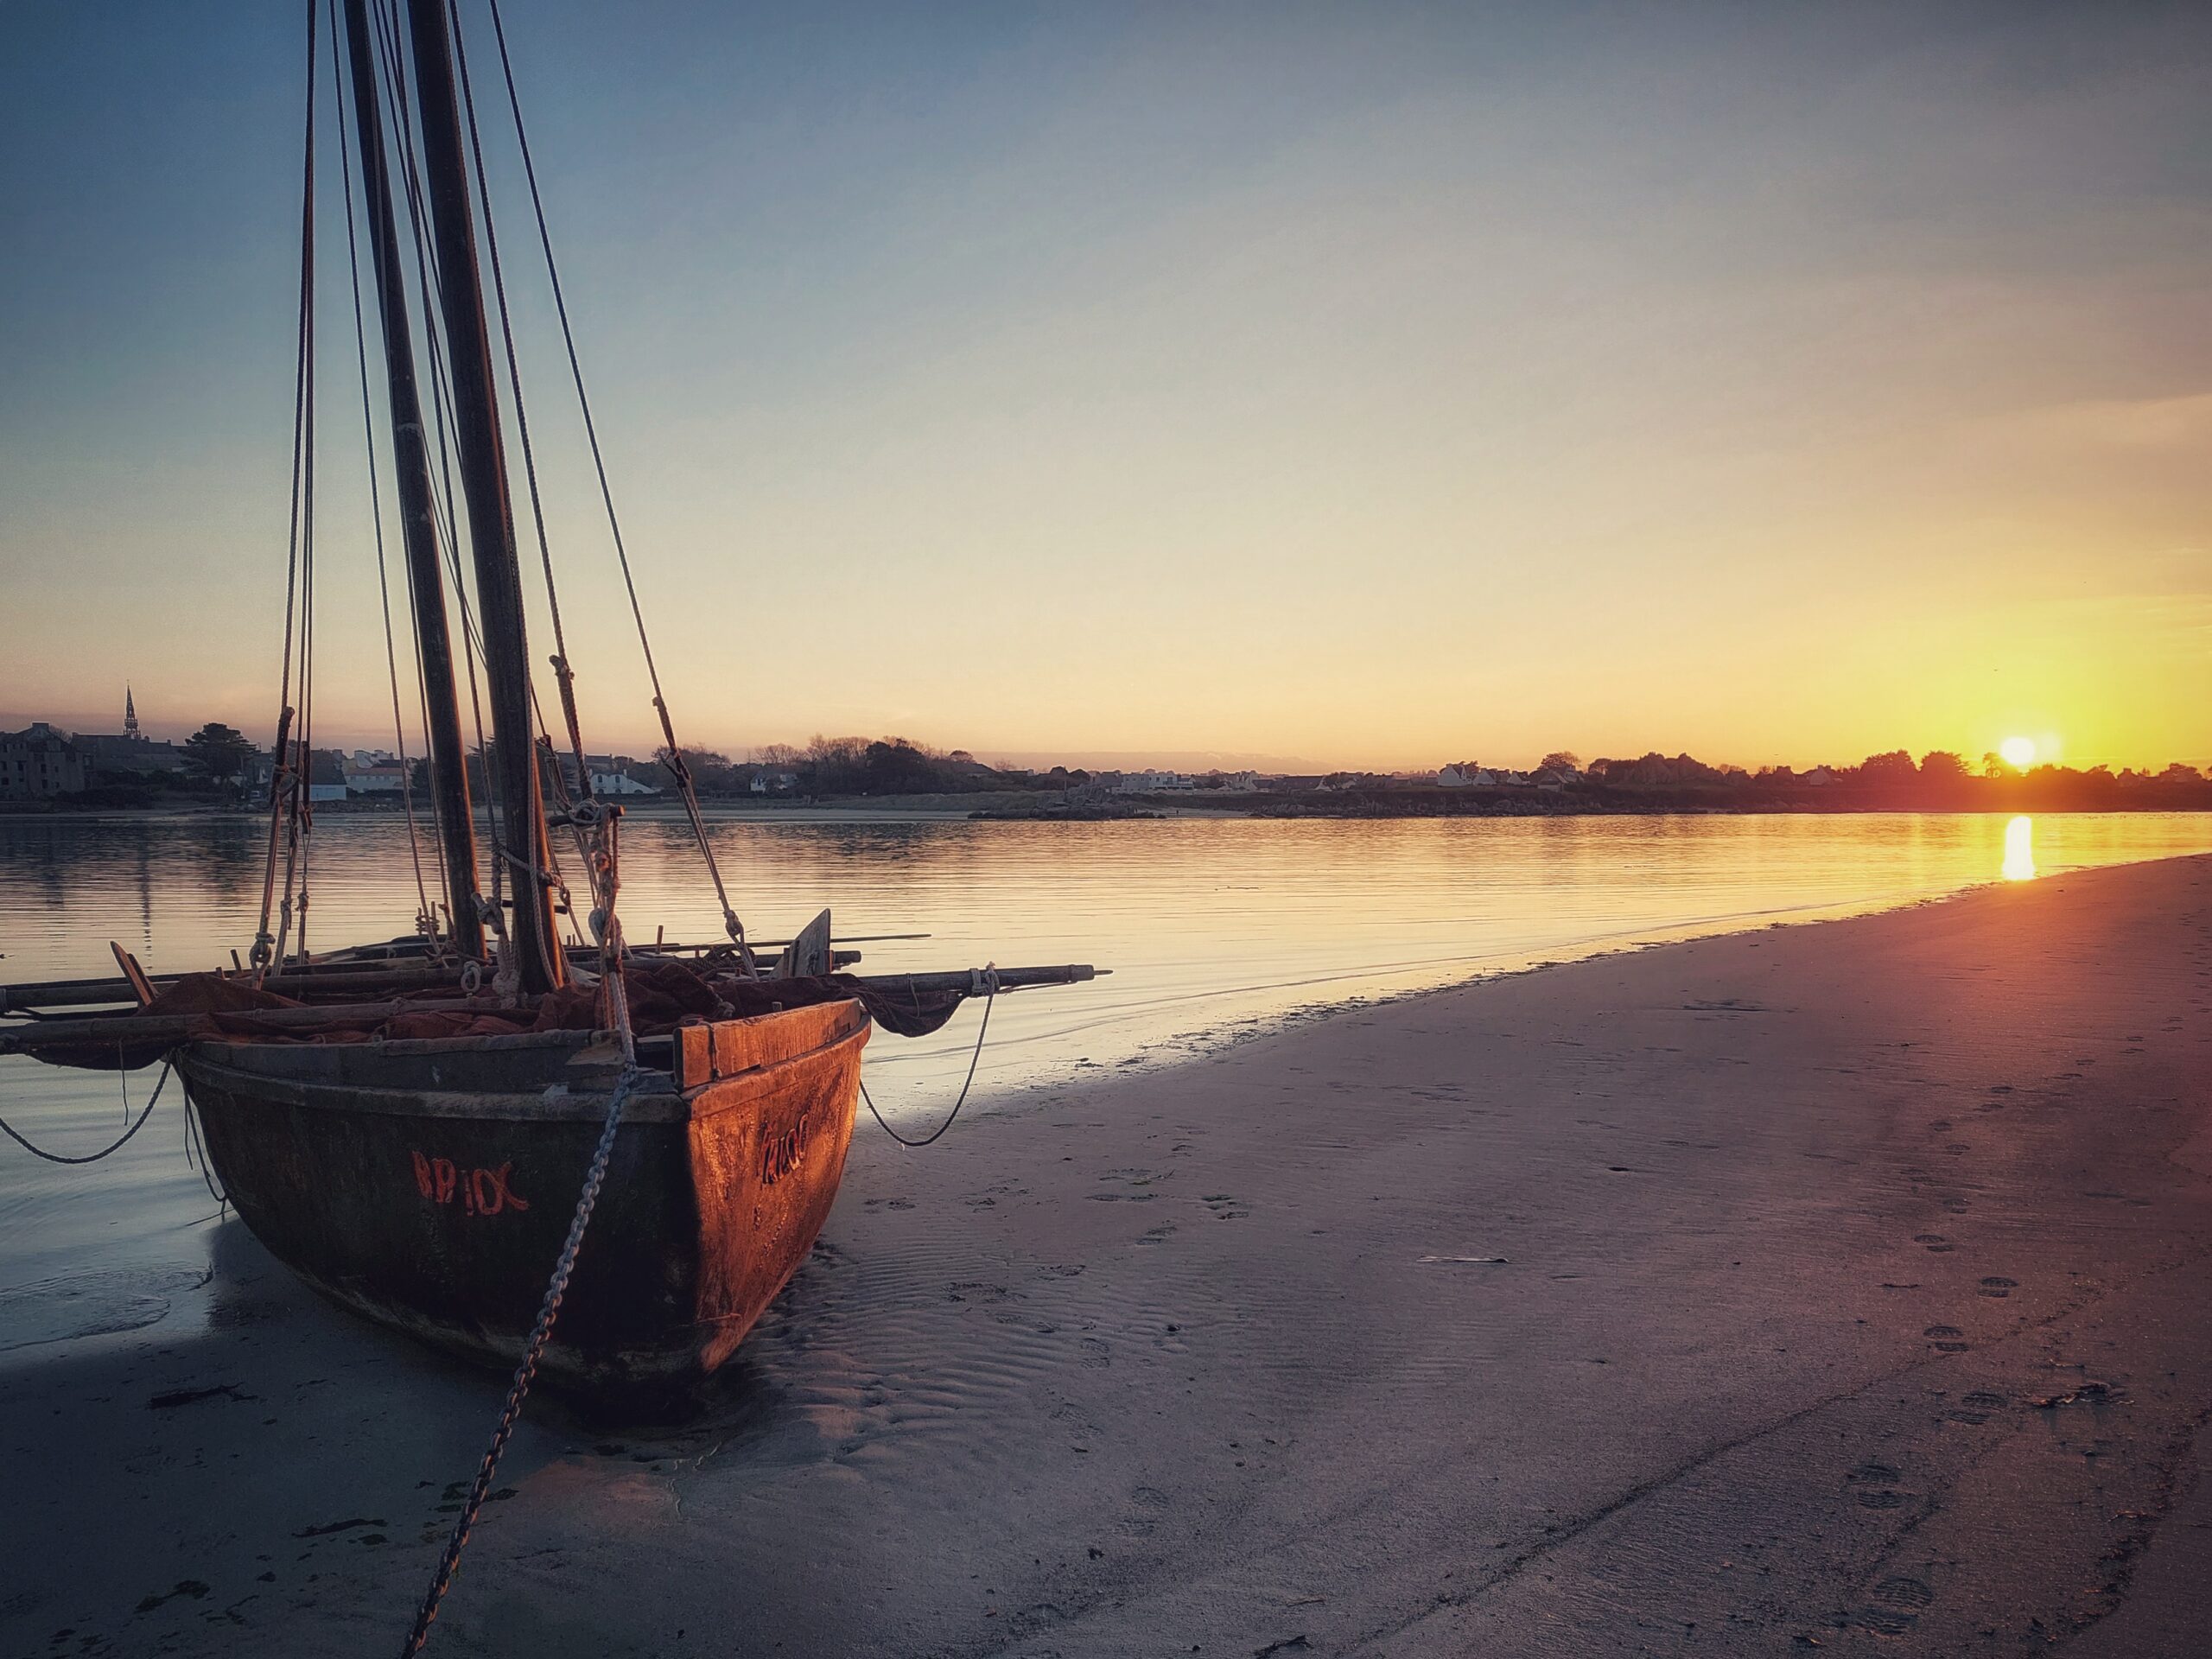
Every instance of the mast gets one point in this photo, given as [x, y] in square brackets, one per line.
[411, 454]
[522, 846]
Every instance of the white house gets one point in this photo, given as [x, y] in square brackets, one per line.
[370, 772]
[1143, 782]
[1464, 774]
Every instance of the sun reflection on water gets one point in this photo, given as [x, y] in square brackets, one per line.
[2020, 850]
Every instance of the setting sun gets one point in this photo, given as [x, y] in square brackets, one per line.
[2019, 752]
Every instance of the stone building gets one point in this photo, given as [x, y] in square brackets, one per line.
[40, 762]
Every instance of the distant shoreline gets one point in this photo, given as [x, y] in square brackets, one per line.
[1015, 806]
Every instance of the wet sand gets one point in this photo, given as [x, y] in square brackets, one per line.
[1839, 1287]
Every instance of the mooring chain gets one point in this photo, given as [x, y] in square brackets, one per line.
[525, 1373]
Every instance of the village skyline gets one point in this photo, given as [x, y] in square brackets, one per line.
[2043, 748]
[136, 765]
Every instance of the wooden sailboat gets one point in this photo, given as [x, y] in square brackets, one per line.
[428, 1183]
[407, 1125]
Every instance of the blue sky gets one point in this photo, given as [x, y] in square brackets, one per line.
[1378, 385]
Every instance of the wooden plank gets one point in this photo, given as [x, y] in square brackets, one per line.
[695, 1056]
[808, 954]
[766, 1038]
[141, 987]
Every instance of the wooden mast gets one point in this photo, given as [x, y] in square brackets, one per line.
[522, 844]
[411, 456]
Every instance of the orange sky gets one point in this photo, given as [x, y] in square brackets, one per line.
[1346, 393]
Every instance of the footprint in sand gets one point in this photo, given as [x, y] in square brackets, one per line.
[1995, 1285]
[1934, 1242]
[1898, 1606]
[1946, 1339]
[1976, 1407]
[1093, 1353]
[1873, 1482]
[1146, 1503]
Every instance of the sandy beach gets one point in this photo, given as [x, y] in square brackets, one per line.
[1838, 1287]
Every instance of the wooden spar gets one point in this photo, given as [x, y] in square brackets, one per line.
[970, 980]
[182, 1027]
[317, 980]
[139, 1028]
[411, 465]
[375, 973]
[522, 845]
[94, 993]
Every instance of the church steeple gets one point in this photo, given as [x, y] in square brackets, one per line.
[130, 713]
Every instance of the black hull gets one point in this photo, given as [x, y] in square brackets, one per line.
[430, 1185]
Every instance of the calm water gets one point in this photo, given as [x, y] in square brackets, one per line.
[1211, 926]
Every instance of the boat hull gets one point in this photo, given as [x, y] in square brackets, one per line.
[430, 1185]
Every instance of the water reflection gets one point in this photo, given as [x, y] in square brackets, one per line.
[1211, 926]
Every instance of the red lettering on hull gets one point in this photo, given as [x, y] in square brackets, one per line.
[482, 1192]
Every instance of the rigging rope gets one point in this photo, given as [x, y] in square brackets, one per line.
[376, 497]
[677, 765]
[302, 437]
[446, 522]
[991, 995]
[56, 1157]
[561, 667]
